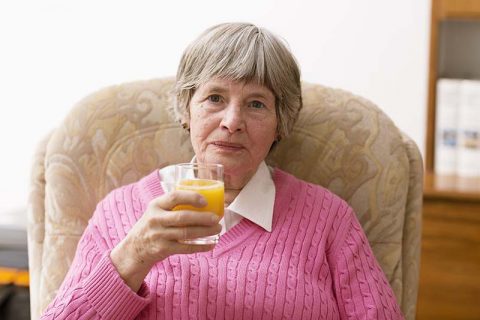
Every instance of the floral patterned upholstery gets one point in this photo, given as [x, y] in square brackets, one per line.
[119, 134]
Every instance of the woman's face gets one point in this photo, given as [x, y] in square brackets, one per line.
[234, 124]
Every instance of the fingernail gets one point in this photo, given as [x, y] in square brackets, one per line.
[215, 218]
[203, 202]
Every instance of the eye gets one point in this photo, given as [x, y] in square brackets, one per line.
[257, 105]
[215, 98]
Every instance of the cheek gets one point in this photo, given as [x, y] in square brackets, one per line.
[265, 135]
[201, 126]
[271, 128]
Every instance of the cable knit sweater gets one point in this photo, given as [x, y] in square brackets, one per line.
[315, 264]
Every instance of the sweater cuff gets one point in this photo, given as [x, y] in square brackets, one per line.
[110, 296]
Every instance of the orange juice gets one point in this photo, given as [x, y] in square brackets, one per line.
[212, 190]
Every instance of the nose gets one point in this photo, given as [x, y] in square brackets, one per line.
[233, 118]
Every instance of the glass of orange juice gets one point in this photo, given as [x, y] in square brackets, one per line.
[206, 179]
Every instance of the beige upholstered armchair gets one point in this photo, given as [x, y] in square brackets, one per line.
[119, 134]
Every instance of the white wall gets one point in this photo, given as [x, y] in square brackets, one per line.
[55, 52]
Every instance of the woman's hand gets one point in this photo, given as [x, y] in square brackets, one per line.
[156, 235]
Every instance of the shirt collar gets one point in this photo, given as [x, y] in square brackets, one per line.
[256, 200]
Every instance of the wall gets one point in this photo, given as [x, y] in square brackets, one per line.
[55, 52]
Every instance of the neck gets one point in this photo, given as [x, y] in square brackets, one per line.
[230, 195]
[233, 186]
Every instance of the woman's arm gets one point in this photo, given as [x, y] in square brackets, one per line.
[361, 287]
[104, 284]
[93, 289]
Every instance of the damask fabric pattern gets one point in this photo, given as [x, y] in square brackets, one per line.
[120, 134]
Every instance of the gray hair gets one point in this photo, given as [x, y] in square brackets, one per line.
[241, 52]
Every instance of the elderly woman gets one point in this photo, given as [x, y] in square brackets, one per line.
[292, 250]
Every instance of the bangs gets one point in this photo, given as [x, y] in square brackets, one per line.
[237, 56]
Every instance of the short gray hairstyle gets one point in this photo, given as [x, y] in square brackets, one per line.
[241, 52]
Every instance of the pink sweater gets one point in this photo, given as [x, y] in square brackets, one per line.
[315, 264]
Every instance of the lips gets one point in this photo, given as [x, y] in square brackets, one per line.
[227, 145]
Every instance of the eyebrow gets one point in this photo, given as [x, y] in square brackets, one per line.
[258, 95]
[221, 89]
[216, 88]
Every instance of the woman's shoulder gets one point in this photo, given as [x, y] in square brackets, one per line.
[144, 189]
[335, 210]
[124, 205]
[324, 210]
[289, 183]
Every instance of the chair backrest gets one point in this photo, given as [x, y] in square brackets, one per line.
[121, 133]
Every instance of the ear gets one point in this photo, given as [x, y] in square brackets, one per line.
[185, 121]
[278, 136]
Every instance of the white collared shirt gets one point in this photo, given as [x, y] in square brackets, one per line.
[254, 202]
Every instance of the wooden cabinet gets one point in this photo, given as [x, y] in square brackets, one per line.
[450, 261]
[450, 258]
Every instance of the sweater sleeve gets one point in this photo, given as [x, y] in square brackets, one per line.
[93, 288]
[360, 285]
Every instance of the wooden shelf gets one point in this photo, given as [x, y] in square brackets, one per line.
[442, 10]
[451, 187]
[457, 9]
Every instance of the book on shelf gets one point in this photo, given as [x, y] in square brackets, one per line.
[468, 157]
[457, 135]
[446, 135]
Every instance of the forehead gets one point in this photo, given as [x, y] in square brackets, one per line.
[223, 85]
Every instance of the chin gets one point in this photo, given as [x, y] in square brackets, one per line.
[231, 165]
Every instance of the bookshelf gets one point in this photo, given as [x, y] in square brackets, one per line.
[450, 262]
[454, 53]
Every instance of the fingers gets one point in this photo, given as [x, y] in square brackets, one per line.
[181, 218]
[161, 229]
[172, 199]
[186, 218]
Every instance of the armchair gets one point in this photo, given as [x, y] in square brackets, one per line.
[119, 134]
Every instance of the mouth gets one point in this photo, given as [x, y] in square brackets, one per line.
[227, 146]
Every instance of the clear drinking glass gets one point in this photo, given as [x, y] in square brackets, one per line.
[206, 179]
